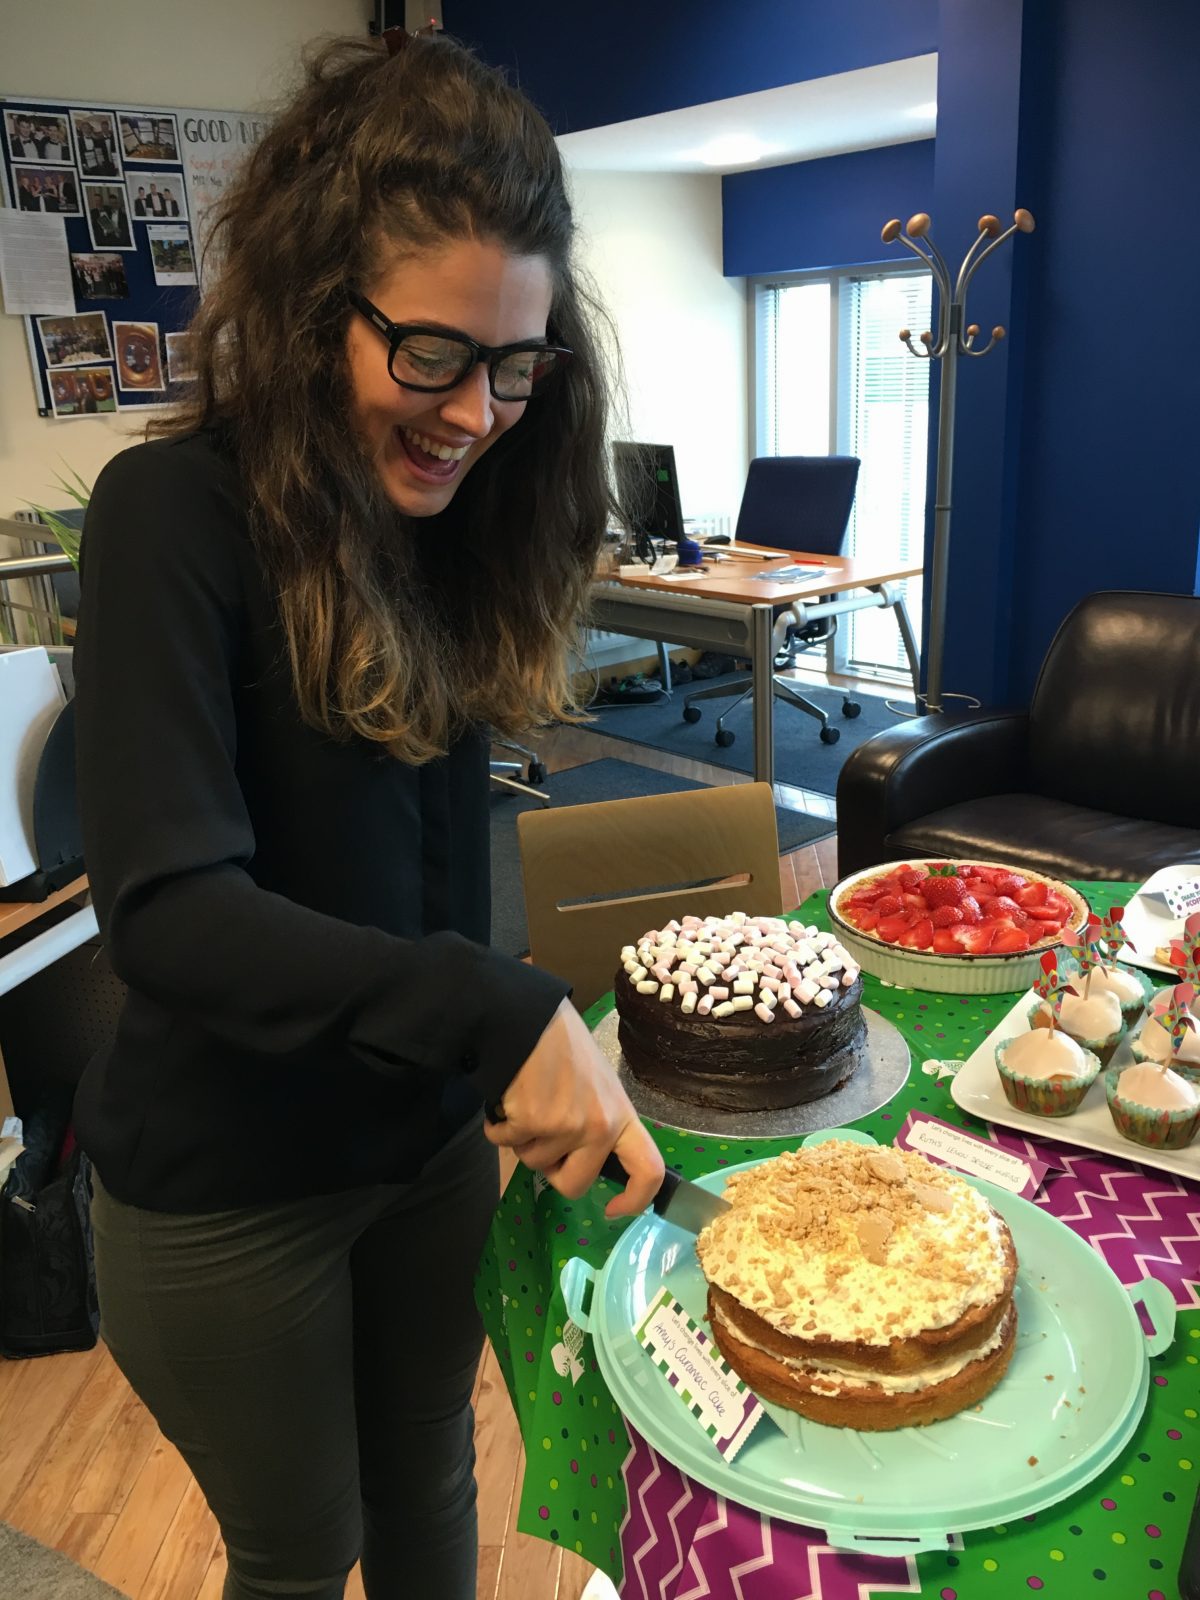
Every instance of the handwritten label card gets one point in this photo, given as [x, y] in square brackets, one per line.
[694, 1368]
[952, 1147]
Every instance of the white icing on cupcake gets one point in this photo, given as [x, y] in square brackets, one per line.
[1045, 1053]
[1147, 1085]
[1113, 980]
[1154, 1040]
[1096, 1018]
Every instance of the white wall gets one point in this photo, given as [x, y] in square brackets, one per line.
[652, 243]
[235, 54]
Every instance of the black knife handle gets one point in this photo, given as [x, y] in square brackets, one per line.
[615, 1173]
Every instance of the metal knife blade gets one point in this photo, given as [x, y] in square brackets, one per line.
[678, 1200]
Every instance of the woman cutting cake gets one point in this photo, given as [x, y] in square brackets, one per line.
[364, 543]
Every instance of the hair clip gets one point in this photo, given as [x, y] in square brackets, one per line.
[396, 40]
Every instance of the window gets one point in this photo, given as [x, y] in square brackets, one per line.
[833, 377]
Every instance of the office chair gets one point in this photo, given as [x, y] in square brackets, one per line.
[791, 503]
[596, 876]
[523, 776]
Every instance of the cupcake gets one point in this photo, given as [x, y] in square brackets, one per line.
[1152, 1044]
[1095, 1023]
[1153, 1106]
[1045, 1072]
[1132, 989]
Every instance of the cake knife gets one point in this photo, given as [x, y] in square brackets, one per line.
[678, 1200]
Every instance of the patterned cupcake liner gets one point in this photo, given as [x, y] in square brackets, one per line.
[1149, 1125]
[1102, 1049]
[1046, 1097]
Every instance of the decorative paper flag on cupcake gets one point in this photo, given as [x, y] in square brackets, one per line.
[1185, 951]
[1108, 933]
[1172, 1012]
[1052, 985]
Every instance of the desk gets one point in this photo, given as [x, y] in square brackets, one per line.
[594, 1487]
[38, 952]
[730, 609]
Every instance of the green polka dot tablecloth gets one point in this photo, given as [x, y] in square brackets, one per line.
[595, 1487]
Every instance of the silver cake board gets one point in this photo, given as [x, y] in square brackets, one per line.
[881, 1074]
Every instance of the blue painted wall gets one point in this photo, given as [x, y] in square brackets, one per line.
[586, 63]
[826, 213]
[1076, 441]
[1110, 480]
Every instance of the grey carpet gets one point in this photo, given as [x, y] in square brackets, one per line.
[596, 780]
[800, 757]
[32, 1571]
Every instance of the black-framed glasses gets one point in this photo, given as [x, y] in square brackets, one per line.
[433, 361]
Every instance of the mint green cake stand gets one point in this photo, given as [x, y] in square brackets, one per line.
[1069, 1403]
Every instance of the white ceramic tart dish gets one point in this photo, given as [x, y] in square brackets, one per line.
[941, 972]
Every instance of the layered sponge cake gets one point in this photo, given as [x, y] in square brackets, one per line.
[861, 1287]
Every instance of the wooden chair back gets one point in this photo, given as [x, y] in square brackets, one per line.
[598, 876]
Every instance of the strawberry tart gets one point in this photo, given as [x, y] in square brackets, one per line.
[957, 908]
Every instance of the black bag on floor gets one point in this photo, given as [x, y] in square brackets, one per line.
[47, 1276]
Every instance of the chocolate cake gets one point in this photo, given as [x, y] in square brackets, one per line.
[740, 1013]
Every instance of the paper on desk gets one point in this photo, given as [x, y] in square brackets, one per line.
[35, 265]
[1156, 913]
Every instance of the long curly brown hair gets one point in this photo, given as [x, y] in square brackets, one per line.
[401, 630]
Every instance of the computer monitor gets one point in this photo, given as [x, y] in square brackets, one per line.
[648, 490]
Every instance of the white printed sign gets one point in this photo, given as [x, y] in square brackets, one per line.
[693, 1366]
[952, 1147]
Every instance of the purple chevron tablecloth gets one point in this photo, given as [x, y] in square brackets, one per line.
[592, 1484]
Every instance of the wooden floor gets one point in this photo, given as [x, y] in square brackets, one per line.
[84, 1469]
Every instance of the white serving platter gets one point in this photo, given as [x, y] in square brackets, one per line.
[976, 1088]
[1150, 923]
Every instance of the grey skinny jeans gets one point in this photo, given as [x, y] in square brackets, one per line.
[313, 1362]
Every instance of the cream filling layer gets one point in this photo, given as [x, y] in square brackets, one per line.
[844, 1375]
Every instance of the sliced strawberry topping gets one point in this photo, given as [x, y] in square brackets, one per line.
[947, 916]
[918, 937]
[1033, 894]
[975, 941]
[944, 941]
[1010, 939]
[889, 929]
[889, 905]
[943, 891]
[1009, 882]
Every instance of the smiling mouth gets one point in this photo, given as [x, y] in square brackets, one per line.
[432, 448]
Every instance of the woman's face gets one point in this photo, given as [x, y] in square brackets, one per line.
[473, 287]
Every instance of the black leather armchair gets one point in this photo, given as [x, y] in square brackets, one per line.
[1099, 778]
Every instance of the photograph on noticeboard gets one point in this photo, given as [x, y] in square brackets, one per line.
[148, 136]
[156, 196]
[47, 189]
[99, 276]
[108, 216]
[171, 254]
[139, 363]
[179, 359]
[82, 392]
[39, 136]
[81, 340]
[97, 143]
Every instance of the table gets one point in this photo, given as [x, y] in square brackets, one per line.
[730, 609]
[597, 1488]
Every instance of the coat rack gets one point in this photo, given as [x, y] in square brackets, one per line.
[954, 337]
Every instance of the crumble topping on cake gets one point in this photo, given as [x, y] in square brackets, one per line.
[855, 1243]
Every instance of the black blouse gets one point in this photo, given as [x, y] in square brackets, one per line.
[302, 923]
